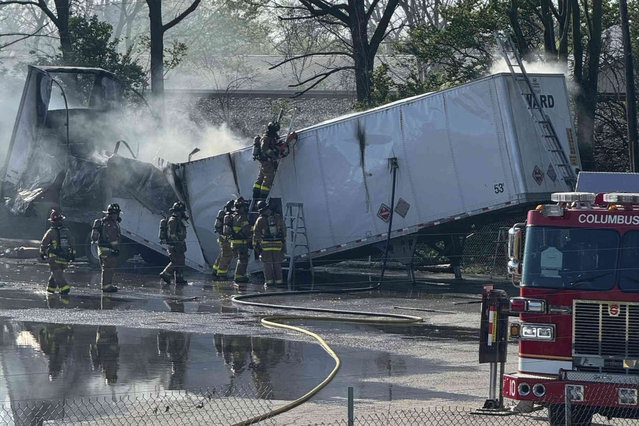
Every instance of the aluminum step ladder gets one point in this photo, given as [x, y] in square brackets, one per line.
[296, 238]
[544, 126]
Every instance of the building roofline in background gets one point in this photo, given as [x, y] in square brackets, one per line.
[263, 93]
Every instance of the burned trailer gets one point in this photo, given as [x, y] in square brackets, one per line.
[462, 156]
[63, 154]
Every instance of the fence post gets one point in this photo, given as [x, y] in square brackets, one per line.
[567, 408]
[351, 416]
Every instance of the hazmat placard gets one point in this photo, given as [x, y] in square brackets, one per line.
[384, 212]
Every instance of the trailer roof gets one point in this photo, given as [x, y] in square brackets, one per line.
[390, 105]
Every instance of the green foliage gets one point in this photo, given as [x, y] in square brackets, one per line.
[461, 50]
[173, 54]
[438, 57]
[384, 89]
[90, 39]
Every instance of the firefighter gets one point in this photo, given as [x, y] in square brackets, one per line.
[105, 353]
[268, 152]
[56, 248]
[269, 240]
[224, 217]
[106, 234]
[240, 239]
[56, 342]
[176, 240]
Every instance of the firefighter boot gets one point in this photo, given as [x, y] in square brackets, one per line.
[166, 278]
[51, 286]
[109, 288]
[179, 278]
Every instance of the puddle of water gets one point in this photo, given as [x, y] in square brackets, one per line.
[53, 361]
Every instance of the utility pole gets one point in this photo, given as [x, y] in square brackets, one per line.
[631, 100]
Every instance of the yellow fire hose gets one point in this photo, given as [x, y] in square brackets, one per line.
[277, 322]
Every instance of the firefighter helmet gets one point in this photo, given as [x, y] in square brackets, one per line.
[56, 216]
[261, 206]
[240, 202]
[273, 127]
[178, 207]
[113, 208]
[229, 205]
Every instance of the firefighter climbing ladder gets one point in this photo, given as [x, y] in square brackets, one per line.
[297, 237]
[544, 126]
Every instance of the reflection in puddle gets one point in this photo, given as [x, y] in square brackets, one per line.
[54, 361]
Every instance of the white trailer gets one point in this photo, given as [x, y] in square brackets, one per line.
[461, 152]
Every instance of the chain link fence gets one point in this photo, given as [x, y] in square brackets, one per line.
[235, 405]
[574, 404]
[212, 406]
[465, 417]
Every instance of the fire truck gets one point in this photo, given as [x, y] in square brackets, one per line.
[576, 263]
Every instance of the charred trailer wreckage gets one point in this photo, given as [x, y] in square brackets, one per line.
[461, 157]
[63, 154]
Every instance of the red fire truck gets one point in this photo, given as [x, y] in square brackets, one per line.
[577, 265]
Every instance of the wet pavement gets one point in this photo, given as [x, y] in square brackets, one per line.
[150, 337]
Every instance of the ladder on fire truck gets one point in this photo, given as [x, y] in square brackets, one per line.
[297, 238]
[543, 126]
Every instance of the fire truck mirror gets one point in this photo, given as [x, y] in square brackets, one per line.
[515, 239]
[493, 338]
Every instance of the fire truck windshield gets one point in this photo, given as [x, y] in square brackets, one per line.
[629, 262]
[572, 258]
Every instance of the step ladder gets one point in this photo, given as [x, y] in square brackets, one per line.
[544, 126]
[296, 238]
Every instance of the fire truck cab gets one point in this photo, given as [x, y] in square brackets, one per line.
[576, 262]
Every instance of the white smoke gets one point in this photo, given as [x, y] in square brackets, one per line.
[10, 94]
[167, 130]
[539, 66]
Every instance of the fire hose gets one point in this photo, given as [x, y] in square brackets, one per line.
[279, 320]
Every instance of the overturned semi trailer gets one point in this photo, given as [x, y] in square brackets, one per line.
[463, 154]
[63, 154]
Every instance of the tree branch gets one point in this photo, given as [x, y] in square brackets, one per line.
[371, 9]
[333, 10]
[24, 36]
[307, 55]
[23, 2]
[380, 31]
[181, 16]
[321, 77]
[42, 4]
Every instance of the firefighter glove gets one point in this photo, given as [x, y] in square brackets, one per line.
[43, 256]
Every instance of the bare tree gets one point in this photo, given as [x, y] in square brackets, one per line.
[349, 21]
[631, 99]
[18, 37]
[157, 31]
[129, 10]
[59, 18]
